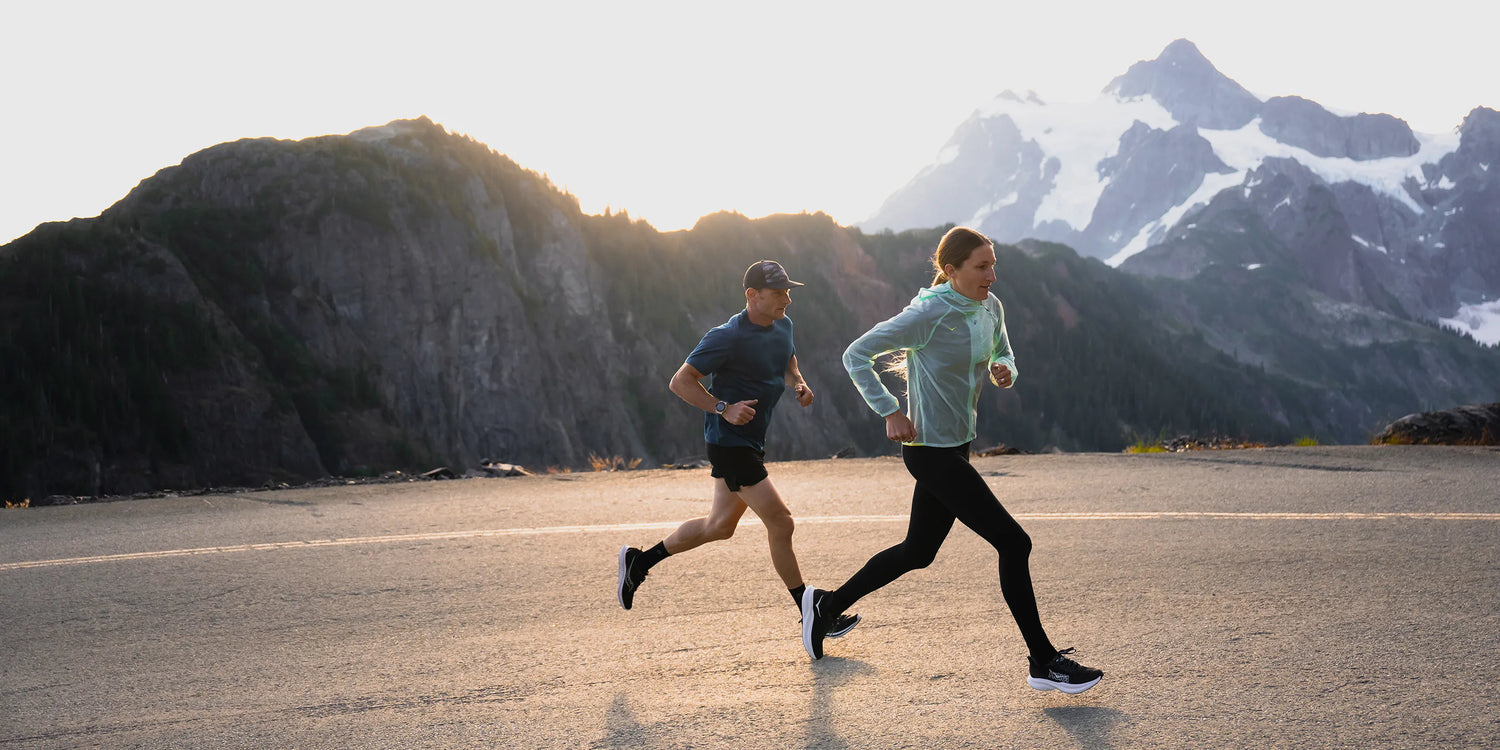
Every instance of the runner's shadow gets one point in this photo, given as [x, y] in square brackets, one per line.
[829, 673]
[1088, 725]
[622, 729]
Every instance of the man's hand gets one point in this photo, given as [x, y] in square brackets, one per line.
[804, 395]
[898, 427]
[740, 412]
[1000, 375]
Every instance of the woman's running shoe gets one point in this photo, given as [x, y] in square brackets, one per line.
[1062, 673]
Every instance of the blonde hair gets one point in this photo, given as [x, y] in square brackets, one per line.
[955, 248]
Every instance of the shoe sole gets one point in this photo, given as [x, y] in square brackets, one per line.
[1069, 688]
[845, 631]
[807, 621]
[620, 582]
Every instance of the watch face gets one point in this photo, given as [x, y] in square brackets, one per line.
[719, 407]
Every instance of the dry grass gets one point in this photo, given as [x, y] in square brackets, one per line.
[611, 463]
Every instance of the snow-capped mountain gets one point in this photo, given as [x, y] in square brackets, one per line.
[1175, 165]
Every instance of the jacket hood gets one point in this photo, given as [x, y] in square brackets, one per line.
[947, 293]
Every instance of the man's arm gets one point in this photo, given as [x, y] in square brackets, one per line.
[687, 384]
[797, 384]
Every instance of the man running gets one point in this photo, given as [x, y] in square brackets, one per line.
[752, 359]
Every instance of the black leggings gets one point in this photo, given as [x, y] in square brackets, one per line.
[948, 487]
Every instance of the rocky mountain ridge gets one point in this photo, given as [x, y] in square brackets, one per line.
[404, 297]
[1370, 211]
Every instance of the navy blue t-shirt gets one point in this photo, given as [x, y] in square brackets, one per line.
[744, 361]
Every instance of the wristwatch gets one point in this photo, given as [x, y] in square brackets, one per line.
[720, 407]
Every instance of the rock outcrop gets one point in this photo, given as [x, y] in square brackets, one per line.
[1476, 424]
[1306, 124]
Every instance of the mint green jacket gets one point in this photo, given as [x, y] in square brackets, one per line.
[950, 341]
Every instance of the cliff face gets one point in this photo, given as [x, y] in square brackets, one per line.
[403, 297]
[399, 297]
[474, 307]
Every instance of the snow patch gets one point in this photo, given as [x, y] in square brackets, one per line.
[985, 211]
[1445, 184]
[1481, 321]
[1252, 266]
[1212, 184]
[1369, 245]
[1079, 136]
[1246, 148]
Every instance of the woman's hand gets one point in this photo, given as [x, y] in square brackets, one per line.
[1000, 375]
[899, 428]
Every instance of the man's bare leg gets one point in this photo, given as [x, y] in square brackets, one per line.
[763, 498]
[723, 516]
[720, 523]
[722, 519]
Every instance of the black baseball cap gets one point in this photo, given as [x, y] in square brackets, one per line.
[768, 274]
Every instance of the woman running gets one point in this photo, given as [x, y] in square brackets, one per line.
[952, 334]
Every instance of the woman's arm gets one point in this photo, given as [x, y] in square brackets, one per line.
[1001, 354]
[911, 329]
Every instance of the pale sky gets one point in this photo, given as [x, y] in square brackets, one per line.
[667, 110]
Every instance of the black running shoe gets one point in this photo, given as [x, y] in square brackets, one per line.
[842, 625]
[629, 579]
[814, 624]
[1063, 674]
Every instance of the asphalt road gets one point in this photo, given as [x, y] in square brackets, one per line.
[1297, 597]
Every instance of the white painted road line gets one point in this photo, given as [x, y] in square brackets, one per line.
[616, 527]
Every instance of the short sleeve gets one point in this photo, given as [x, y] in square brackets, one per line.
[713, 351]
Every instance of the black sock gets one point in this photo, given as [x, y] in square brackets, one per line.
[797, 594]
[653, 556]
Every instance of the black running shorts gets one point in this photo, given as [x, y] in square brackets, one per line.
[739, 466]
